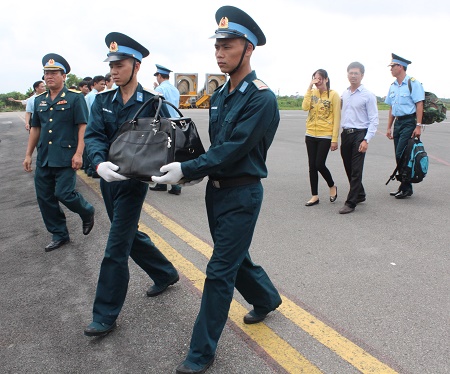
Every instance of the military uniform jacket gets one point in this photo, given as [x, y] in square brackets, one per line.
[242, 126]
[58, 120]
[108, 113]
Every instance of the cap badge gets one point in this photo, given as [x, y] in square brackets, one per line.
[51, 62]
[113, 47]
[223, 24]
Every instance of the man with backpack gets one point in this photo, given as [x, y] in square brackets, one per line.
[406, 112]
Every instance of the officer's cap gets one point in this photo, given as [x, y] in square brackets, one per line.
[162, 70]
[122, 46]
[399, 60]
[53, 61]
[235, 23]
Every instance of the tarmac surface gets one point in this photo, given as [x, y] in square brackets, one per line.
[364, 292]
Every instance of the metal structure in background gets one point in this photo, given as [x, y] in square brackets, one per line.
[187, 85]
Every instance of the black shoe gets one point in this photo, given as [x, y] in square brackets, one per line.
[99, 329]
[333, 198]
[403, 194]
[158, 290]
[251, 317]
[346, 209]
[159, 187]
[175, 191]
[311, 203]
[88, 225]
[95, 175]
[360, 199]
[55, 244]
[185, 369]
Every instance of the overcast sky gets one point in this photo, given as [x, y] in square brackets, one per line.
[302, 36]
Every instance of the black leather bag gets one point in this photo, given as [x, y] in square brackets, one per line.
[145, 144]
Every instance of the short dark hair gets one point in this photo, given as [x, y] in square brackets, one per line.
[107, 77]
[98, 78]
[356, 65]
[83, 83]
[165, 76]
[36, 84]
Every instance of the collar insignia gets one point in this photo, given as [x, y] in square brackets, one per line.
[63, 94]
[113, 47]
[223, 24]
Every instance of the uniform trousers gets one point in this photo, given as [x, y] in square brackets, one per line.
[232, 215]
[403, 129]
[353, 163]
[123, 201]
[56, 185]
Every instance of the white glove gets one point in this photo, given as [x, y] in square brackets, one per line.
[107, 170]
[191, 183]
[172, 176]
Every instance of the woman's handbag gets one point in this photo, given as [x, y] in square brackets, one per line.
[143, 145]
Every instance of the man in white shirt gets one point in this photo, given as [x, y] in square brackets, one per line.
[359, 121]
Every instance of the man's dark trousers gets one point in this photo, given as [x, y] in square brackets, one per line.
[403, 129]
[232, 215]
[55, 185]
[123, 201]
[353, 164]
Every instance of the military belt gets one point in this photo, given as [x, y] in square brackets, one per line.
[235, 182]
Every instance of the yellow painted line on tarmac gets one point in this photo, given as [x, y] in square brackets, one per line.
[291, 360]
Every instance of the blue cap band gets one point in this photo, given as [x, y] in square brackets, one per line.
[129, 51]
[240, 31]
[55, 66]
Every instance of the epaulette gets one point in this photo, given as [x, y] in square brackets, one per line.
[72, 90]
[41, 93]
[152, 91]
[260, 85]
[105, 91]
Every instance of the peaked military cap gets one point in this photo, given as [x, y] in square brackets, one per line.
[161, 70]
[235, 23]
[121, 46]
[53, 61]
[399, 60]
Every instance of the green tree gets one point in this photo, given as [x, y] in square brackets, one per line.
[72, 80]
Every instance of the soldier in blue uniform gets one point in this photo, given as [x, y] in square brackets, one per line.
[123, 197]
[57, 130]
[244, 117]
[406, 111]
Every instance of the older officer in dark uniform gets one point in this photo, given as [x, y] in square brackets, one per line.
[123, 197]
[57, 129]
[243, 120]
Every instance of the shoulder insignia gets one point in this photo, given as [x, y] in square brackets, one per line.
[105, 91]
[153, 92]
[41, 93]
[72, 90]
[260, 85]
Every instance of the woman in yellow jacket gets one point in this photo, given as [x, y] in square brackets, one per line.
[322, 131]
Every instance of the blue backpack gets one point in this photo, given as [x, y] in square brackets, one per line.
[413, 165]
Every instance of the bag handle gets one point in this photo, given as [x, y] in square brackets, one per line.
[158, 109]
[147, 103]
